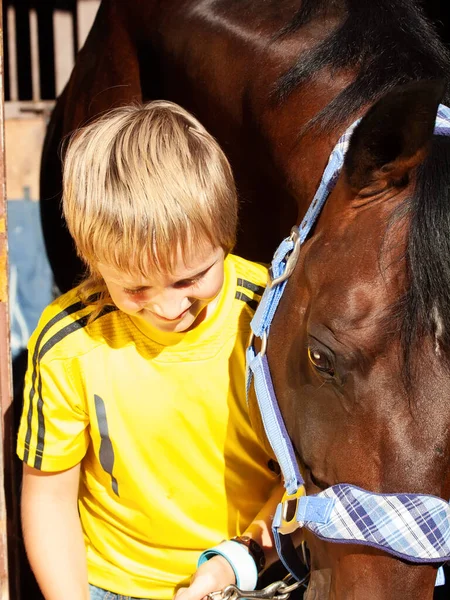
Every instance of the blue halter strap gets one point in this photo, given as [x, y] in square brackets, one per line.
[413, 527]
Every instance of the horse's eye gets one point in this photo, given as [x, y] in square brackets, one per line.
[320, 361]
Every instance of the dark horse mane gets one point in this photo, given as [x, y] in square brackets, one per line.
[426, 305]
[398, 45]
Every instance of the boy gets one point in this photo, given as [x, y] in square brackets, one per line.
[137, 447]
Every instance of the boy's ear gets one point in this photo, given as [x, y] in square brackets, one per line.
[393, 138]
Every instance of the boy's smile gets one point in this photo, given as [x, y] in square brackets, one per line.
[172, 302]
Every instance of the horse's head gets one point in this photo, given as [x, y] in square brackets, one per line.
[359, 346]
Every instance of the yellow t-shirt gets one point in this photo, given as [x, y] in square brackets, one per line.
[169, 462]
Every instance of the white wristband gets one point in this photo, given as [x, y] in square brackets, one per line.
[240, 560]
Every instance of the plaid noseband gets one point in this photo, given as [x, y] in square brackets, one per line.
[413, 527]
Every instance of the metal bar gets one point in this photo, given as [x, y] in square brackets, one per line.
[64, 47]
[12, 56]
[46, 45]
[34, 41]
[86, 11]
[23, 49]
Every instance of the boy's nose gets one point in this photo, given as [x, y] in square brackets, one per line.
[170, 307]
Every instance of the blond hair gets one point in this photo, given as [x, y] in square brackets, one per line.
[142, 183]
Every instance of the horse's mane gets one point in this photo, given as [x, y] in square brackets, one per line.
[388, 42]
[426, 305]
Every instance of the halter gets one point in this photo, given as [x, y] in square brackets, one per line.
[413, 527]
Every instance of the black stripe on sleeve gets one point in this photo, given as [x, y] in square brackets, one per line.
[37, 357]
[257, 289]
[74, 326]
[249, 301]
[64, 313]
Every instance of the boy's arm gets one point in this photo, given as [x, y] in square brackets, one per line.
[52, 533]
[216, 573]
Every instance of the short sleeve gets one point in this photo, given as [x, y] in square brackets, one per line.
[53, 433]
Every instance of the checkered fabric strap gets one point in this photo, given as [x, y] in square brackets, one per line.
[413, 527]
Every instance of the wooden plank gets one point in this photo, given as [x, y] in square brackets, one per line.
[5, 376]
[24, 138]
[86, 11]
[64, 47]
[9, 544]
[12, 44]
[34, 40]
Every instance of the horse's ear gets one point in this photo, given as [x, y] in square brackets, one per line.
[392, 138]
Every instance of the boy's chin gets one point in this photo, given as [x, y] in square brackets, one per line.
[174, 327]
[187, 323]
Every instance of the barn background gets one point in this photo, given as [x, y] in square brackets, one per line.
[40, 42]
[41, 39]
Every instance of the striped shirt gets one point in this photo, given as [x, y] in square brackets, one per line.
[170, 464]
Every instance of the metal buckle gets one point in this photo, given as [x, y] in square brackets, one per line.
[291, 259]
[289, 525]
[263, 342]
[278, 590]
[305, 555]
[290, 266]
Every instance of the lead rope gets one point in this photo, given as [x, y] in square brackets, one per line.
[278, 590]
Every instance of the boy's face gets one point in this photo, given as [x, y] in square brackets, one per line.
[170, 302]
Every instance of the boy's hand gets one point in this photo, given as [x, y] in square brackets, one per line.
[212, 576]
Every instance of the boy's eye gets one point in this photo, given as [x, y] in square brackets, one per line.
[135, 291]
[187, 282]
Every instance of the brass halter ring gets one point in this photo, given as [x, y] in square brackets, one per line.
[289, 505]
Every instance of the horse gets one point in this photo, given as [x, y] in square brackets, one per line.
[359, 346]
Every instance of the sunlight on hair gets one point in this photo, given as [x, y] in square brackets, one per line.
[142, 183]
